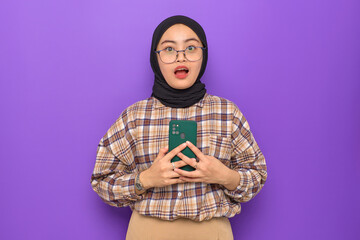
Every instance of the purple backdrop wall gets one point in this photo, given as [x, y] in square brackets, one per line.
[69, 68]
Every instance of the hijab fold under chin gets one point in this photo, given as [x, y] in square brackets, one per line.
[167, 95]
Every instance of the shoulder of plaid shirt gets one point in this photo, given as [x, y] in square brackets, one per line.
[133, 142]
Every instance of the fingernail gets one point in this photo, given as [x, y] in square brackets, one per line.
[184, 144]
[187, 142]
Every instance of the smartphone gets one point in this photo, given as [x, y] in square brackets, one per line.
[181, 131]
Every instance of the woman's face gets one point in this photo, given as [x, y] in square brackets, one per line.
[179, 37]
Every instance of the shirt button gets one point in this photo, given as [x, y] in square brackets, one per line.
[179, 194]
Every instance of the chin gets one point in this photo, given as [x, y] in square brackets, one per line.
[181, 84]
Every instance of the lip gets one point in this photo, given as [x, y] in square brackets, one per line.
[178, 67]
[181, 76]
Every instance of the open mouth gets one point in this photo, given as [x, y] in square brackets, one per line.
[181, 72]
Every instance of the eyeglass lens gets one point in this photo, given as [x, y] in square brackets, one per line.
[191, 54]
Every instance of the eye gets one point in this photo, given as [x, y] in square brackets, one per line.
[169, 49]
[191, 48]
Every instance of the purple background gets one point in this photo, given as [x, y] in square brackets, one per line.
[69, 68]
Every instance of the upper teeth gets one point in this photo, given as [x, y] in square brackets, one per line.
[181, 69]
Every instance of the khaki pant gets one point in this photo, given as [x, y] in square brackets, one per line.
[150, 228]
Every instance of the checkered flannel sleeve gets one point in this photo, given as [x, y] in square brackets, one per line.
[247, 159]
[113, 178]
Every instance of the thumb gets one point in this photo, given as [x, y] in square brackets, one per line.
[162, 153]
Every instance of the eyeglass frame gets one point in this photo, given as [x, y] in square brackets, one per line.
[177, 54]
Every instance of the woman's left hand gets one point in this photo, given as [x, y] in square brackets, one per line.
[207, 170]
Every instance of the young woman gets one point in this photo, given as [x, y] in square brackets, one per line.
[133, 165]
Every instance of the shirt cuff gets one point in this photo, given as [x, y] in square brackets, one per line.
[240, 190]
[128, 186]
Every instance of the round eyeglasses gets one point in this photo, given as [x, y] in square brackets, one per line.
[170, 55]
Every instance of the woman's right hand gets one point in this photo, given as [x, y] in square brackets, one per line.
[161, 173]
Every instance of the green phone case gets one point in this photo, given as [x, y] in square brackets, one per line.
[181, 131]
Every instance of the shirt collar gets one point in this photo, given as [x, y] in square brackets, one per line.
[158, 104]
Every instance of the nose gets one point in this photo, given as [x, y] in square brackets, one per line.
[181, 57]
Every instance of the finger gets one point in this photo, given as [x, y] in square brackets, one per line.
[190, 161]
[175, 181]
[175, 151]
[173, 174]
[195, 150]
[187, 179]
[192, 174]
[162, 153]
[179, 164]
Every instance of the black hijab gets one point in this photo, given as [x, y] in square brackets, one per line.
[167, 95]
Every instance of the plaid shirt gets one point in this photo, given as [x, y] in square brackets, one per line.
[132, 143]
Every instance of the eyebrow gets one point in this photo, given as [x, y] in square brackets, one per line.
[187, 40]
